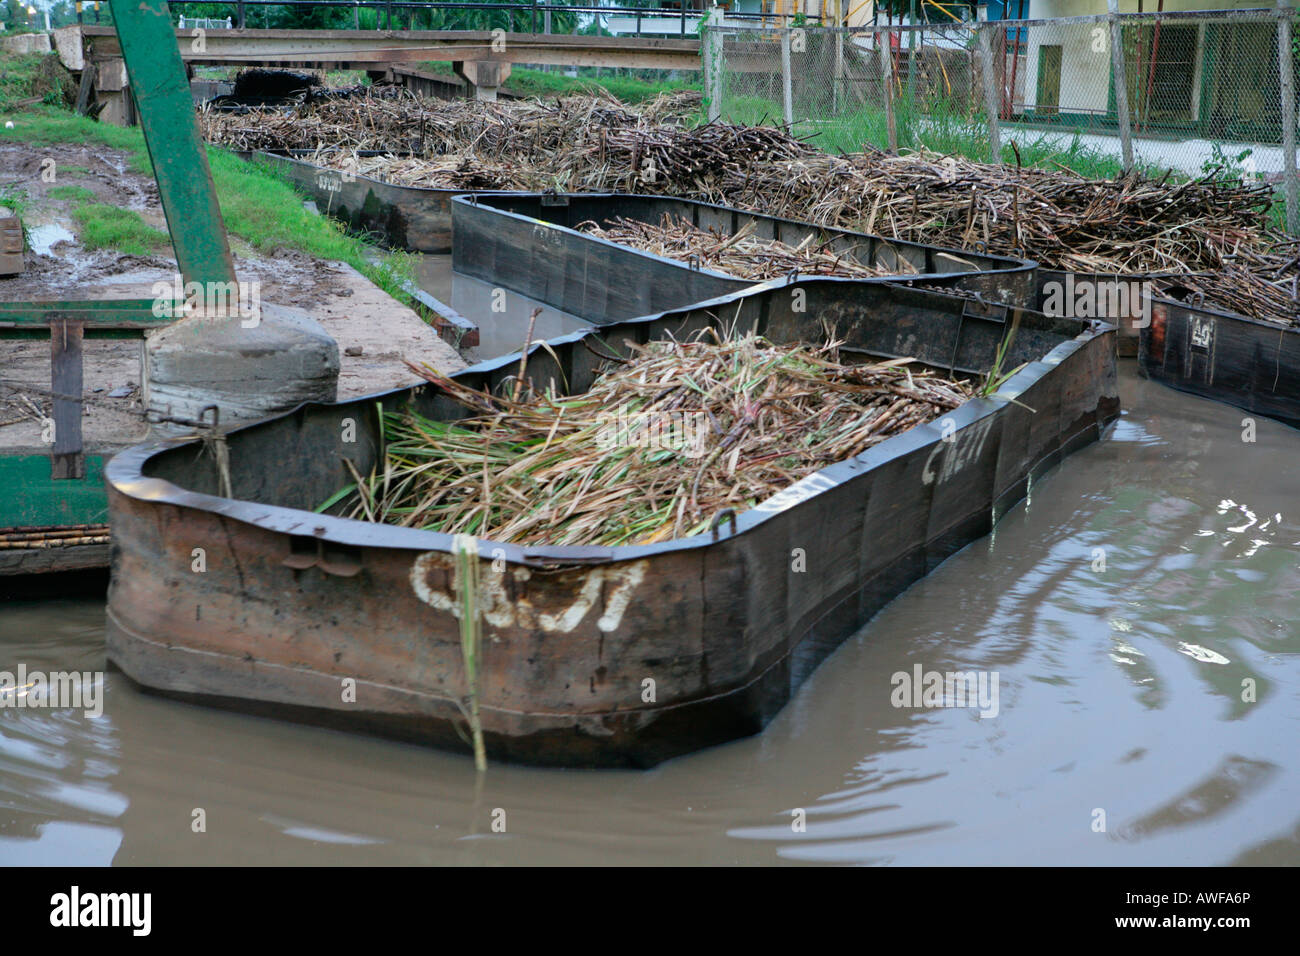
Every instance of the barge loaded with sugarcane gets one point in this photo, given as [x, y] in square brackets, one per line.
[516, 559]
[1223, 356]
[418, 155]
[611, 257]
[1233, 336]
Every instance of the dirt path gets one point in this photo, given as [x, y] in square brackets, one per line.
[374, 332]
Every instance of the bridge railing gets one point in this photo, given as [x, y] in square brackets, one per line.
[537, 16]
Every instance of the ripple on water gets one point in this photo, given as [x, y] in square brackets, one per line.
[1139, 613]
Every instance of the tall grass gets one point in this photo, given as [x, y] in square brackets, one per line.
[471, 636]
[934, 127]
[28, 75]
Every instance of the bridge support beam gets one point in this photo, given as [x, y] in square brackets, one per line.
[484, 77]
[113, 86]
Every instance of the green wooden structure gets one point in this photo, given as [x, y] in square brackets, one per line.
[65, 487]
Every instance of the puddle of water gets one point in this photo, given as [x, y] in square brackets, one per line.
[44, 238]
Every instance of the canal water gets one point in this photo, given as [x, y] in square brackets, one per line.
[1139, 611]
[502, 315]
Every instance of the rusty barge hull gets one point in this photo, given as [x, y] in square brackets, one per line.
[534, 227]
[591, 656]
[1230, 358]
[414, 218]
[527, 242]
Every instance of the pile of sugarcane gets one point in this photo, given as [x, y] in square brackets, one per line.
[676, 106]
[1213, 230]
[1134, 224]
[740, 254]
[396, 120]
[1062, 220]
[1262, 284]
[659, 446]
[452, 171]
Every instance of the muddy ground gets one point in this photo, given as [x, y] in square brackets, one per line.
[374, 332]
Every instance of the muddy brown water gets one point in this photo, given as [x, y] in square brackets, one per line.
[501, 314]
[1119, 691]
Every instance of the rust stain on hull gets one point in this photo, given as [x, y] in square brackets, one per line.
[619, 657]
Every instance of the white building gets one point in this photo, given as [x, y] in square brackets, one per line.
[1214, 79]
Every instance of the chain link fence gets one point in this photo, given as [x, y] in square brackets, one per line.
[1193, 93]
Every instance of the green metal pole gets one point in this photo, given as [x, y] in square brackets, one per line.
[171, 132]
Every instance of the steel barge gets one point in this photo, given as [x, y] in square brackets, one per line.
[291, 605]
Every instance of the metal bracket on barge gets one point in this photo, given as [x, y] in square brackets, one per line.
[719, 622]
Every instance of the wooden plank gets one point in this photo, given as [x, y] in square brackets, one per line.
[85, 90]
[361, 48]
[78, 557]
[66, 379]
[98, 316]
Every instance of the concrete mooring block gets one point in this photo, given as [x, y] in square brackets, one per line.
[283, 360]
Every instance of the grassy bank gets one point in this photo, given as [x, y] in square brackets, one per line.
[33, 76]
[257, 206]
[531, 82]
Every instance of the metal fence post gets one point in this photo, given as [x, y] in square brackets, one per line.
[839, 56]
[1121, 85]
[985, 33]
[787, 93]
[887, 84]
[1286, 76]
[241, 14]
[712, 47]
[546, 28]
[911, 54]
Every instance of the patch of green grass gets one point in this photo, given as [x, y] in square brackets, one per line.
[532, 82]
[335, 78]
[111, 227]
[71, 169]
[752, 111]
[72, 193]
[258, 206]
[14, 198]
[29, 75]
[45, 126]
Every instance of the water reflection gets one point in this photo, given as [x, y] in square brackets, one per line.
[501, 314]
[1148, 663]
